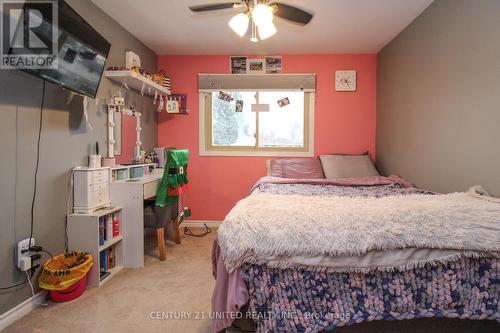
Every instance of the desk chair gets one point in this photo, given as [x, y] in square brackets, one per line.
[168, 207]
[157, 217]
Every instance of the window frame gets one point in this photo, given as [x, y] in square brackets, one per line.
[207, 149]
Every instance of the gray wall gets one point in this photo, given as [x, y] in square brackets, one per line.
[438, 100]
[65, 143]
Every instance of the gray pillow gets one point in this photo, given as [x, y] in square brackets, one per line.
[347, 166]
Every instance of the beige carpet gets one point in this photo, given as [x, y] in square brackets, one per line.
[182, 284]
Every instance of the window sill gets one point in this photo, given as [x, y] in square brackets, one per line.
[204, 152]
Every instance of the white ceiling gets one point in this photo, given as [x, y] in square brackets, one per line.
[338, 26]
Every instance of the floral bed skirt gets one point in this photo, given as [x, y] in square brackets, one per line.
[311, 301]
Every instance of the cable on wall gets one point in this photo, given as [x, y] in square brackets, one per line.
[33, 200]
[68, 210]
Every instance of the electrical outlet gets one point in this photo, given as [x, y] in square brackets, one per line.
[22, 256]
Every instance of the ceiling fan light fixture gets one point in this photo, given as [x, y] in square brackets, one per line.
[266, 30]
[262, 14]
[239, 24]
[254, 38]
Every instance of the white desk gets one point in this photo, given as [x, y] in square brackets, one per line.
[130, 195]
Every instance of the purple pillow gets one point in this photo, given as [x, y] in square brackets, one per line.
[305, 168]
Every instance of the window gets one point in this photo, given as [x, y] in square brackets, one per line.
[282, 130]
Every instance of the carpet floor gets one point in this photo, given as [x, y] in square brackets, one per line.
[173, 295]
[175, 290]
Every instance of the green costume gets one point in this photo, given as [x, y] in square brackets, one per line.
[174, 177]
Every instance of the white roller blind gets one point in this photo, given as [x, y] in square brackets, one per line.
[211, 82]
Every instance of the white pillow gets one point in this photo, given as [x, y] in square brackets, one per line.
[347, 166]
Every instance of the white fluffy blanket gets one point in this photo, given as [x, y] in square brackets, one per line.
[265, 225]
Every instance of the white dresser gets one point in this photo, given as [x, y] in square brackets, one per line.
[91, 189]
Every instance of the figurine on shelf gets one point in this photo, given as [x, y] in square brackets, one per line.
[116, 68]
[137, 69]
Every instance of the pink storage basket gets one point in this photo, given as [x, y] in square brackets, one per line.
[71, 293]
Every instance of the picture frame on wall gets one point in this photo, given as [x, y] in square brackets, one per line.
[274, 64]
[256, 66]
[182, 101]
[238, 65]
[172, 106]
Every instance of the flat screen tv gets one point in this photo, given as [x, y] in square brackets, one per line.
[82, 53]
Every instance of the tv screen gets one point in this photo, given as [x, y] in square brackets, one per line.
[81, 55]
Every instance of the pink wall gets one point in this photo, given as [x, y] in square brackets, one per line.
[344, 123]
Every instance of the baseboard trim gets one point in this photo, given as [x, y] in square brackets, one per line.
[21, 309]
[199, 223]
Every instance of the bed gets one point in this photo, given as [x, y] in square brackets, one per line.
[313, 255]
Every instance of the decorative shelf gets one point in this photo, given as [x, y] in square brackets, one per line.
[137, 81]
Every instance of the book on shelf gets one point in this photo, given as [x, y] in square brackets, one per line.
[103, 261]
[102, 232]
[116, 225]
[102, 275]
[109, 227]
[107, 259]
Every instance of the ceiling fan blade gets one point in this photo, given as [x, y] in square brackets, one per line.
[214, 6]
[291, 13]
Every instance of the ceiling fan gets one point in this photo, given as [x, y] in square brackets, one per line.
[258, 14]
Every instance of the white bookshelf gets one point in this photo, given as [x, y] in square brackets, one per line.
[83, 235]
[110, 242]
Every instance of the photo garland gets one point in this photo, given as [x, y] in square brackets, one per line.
[283, 102]
[239, 105]
[225, 96]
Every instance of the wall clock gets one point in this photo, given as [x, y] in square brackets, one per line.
[345, 80]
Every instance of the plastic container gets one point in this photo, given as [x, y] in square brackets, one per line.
[136, 172]
[70, 293]
[63, 271]
[121, 174]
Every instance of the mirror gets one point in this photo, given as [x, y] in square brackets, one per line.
[126, 138]
[124, 134]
